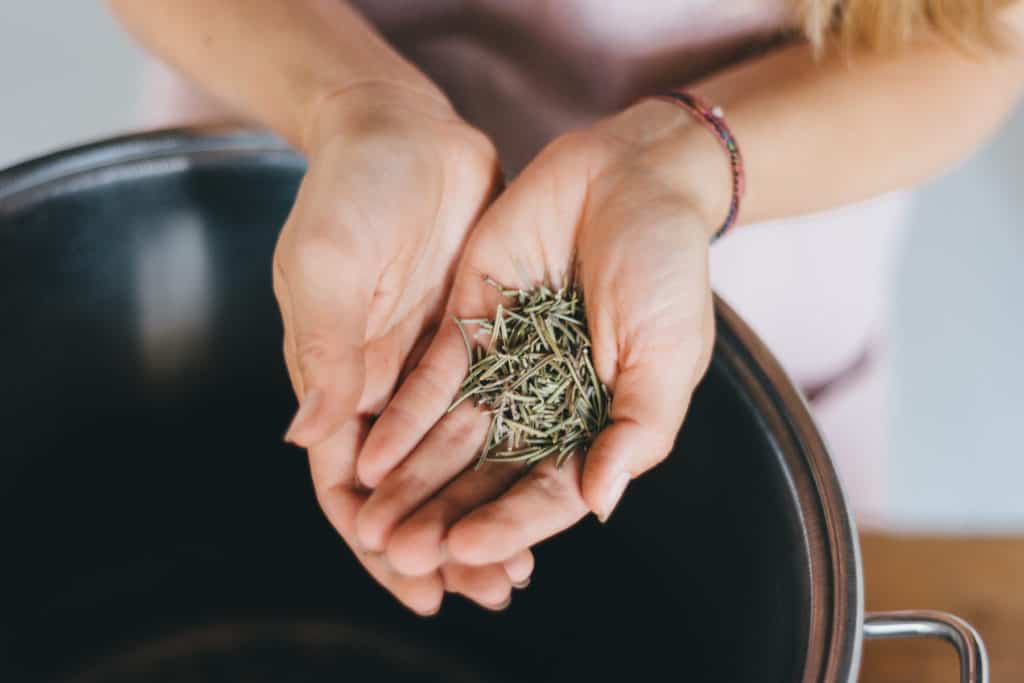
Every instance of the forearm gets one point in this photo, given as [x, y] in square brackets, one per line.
[276, 61]
[820, 134]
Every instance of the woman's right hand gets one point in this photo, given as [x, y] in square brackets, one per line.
[362, 271]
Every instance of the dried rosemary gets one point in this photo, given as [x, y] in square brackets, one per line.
[535, 376]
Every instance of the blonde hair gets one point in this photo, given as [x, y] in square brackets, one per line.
[890, 24]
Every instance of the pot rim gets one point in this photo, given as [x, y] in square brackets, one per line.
[834, 570]
[835, 634]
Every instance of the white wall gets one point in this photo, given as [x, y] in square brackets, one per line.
[67, 74]
[959, 435]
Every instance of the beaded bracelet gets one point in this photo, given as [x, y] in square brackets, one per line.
[711, 117]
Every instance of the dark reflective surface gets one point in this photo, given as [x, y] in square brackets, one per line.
[145, 494]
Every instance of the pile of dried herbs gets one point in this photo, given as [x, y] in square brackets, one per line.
[535, 376]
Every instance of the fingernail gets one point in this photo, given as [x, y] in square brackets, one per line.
[504, 605]
[522, 584]
[614, 495]
[431, 613]
[307, 408]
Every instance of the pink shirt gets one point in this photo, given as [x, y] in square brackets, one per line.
[526, 71]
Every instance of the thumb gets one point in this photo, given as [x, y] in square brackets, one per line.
[649, 402]
[324, 307]
[639, 436]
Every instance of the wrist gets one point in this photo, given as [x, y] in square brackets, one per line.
[702, 167]
[369, 105]
[684, 155]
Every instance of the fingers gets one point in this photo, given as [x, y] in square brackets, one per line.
[542, 503]
[425, 395]
[421, 594]
[447, 449]
[331, 465]
[640, 435]
[417, 545]
[527, 236]
[519, 242]
[324, 308]
[488, 586]
[519, 569]
[649, 403]
[491, 585]
[419, 403]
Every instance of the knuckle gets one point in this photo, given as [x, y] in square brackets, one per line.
[408, 480]
[319, 252]
[279, 278]
[431, 382]
[577, 153]
[551, 483]
[459, 426]
[313, 352]
[480, 147]
[661, 445]
[568, 143]
[574, 144]
[401, 155]
[408, 420]
[290, 363]
[661, 453]
[493, 594]
[322, 238]
[313, 348]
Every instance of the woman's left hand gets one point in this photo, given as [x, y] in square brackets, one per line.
[622, 197]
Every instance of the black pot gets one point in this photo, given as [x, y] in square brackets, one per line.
[156, 528]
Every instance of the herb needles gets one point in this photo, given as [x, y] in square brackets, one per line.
[535, 376]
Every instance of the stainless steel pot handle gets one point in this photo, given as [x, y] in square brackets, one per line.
[928, 624]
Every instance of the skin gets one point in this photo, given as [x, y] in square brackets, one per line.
[374, 129]
[393, 260]
[398, 214]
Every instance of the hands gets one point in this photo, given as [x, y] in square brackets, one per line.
[363, 266]
[617, 195]
[361, 274]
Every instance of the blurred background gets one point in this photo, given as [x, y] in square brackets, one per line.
[70, 75]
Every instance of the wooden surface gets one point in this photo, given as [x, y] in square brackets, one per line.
[979, 579]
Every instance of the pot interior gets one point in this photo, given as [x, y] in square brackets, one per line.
[156, 528]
